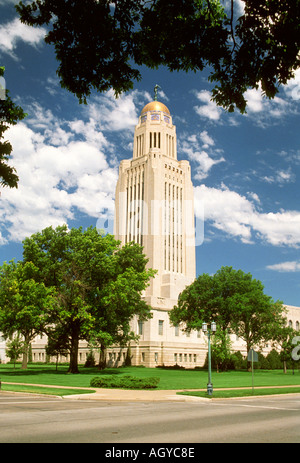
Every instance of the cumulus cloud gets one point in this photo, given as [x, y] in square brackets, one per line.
[292, 88]
[260, 110]
[14, 32]
[238, 217]
[54, 181]
[115, 114]
[290, 266]
[65, 167]
[198, 148]
[208, 108]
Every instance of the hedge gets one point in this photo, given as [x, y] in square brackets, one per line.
[124, 382]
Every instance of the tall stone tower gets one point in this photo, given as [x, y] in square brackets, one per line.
[154, 206]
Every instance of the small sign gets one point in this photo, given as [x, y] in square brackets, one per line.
[252, 356]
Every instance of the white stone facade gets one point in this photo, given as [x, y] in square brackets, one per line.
[154, 206]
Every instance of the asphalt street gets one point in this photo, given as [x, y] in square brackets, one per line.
[37, 419]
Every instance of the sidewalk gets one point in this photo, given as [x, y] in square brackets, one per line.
[125, 395]
[132, 395]
[128, 395]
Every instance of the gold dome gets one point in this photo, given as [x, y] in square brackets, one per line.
[155, 106]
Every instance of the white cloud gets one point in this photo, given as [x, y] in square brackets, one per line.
[254, 100]
[14, 31]
[292, 266]
[292, 88]
[208, 109]
[56, 179]
[262, 109]
[238, 217]
[198, 149]
[281, 177]
[206, 139]
[115, 114]
[4, 2]
[65, 166]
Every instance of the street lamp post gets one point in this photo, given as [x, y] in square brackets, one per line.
[208, 332]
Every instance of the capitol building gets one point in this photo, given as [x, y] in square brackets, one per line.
[154, 206]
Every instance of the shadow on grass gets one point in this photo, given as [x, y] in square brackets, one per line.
[35, 370]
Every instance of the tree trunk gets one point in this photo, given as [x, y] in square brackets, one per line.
[73, 367]
[249, 364]
[102, 359]
[284, 366]
[25, 354]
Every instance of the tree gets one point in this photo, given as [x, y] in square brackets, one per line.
[101, 44]
[14, 348]
[235, 301]
[98, 284]
[220, 349]
[257, 317]
[10, 114]
[24, 303]
[58, 343]
[284, 339]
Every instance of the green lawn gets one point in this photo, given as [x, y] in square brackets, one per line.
[57, 391]
[218, 394]
[169, 379]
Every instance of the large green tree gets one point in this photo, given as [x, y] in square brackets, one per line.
[98, 283]
[101, 44]
[10, 114]
[235, 301]
[24, 303]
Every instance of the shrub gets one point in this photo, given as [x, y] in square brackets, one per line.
[273, 358]
[238, 361]
[124, 382]
[90, 360]
[262, 364]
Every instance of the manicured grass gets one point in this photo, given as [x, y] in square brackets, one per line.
[43, 390]
[217, 394]
[169, 379]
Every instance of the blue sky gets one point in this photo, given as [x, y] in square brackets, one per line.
[245, 168]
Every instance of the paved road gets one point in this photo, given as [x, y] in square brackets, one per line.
[36, 419]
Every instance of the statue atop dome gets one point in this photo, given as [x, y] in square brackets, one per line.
[156, 91]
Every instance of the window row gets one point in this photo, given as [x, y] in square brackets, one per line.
[161, 329]
[291, 325]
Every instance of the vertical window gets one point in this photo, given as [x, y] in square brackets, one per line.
[176, 330]
[140, 327]
[160, 327]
